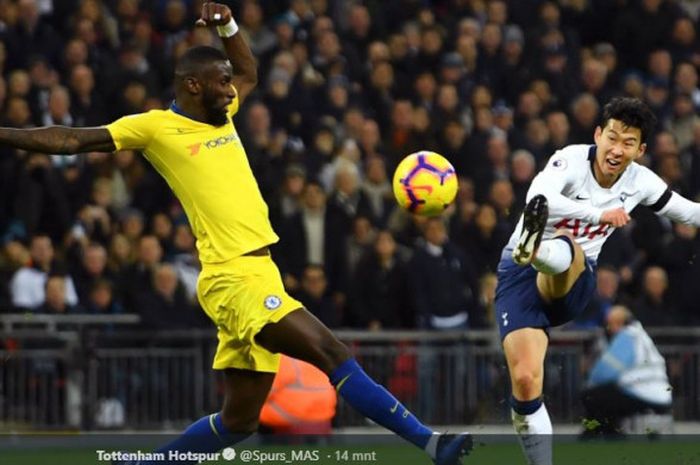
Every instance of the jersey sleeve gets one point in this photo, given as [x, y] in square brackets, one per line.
[656, 192]
[134, 132]
[659, 197]
[562, 170]
[681, 210]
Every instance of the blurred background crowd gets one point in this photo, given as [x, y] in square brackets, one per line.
[346, 89]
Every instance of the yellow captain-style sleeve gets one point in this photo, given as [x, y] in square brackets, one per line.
[135, 132]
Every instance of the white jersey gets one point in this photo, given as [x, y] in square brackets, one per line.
[576, 200]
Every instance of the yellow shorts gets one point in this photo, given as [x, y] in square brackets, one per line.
[241, 296]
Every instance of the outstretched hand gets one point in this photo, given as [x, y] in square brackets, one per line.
[616, 217]
[214, 14]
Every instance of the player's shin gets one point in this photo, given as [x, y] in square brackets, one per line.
[534, 430]
[378, 404]
[554, 256]
[206, 435]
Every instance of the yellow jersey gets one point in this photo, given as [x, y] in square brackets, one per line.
[207, 168]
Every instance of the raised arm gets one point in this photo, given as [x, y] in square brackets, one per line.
[59, 140]
[245, 66]
[680, 209]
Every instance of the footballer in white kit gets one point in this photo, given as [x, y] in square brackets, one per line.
[546, 275]
[576, 202]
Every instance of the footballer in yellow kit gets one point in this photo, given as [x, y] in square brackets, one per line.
[195, 147]
[207, 168]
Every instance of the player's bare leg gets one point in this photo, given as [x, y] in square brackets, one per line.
[525, 350]
[245, 393]
[302, 336]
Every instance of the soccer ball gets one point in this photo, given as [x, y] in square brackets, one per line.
[425, 183]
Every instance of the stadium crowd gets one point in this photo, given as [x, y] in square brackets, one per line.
[347, 88]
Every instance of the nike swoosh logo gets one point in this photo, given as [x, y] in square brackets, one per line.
[395, 407]
[578, 197]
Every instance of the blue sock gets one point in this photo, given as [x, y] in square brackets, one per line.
[206, 435]
[377, 404]
[525, 407]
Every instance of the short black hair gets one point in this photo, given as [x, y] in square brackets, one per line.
[196, 58]
[632, 112]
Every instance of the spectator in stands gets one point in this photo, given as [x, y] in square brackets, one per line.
[287, 202]
[628, 378]
[185, 259]
[653, 306]
[164, 305]
[258, 34]
[658, 97]
[400, 138]
[308, 237]
[501, 197]
[606, 295]
[28, 284]
[317, 299]
[55, 301]
[359, 242]
[376, 189]
[14, 256]
[484, 239]
[585, 111]
[88, 106]
[132, 224]
[44, 205]
[683, 119]
[32, 35]
[678, 258]
[137, 278]
[685, 79]
[484, 315]
[622, 255]
[559, 128]
[101, 299]
[496, 166]
[523, 168]
[684, 43]
[443, 280]
[346, 199]
[381, 294]
[162, 229]
[93, 268]
[120, 254]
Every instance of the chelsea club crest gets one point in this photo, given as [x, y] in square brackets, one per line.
[272, 302]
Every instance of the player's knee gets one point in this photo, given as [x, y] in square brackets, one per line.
[526, 383]
[337, 352]
[331, 353]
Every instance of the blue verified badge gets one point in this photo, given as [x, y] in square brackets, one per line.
[272, 302]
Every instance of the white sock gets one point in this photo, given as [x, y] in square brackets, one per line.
[553, 257]
[431, 447]
[535, 436]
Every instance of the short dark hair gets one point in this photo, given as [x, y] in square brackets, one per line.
[195, 58]
[632, 112]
